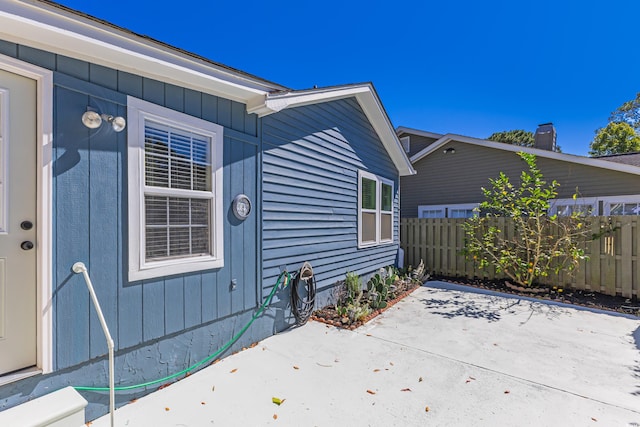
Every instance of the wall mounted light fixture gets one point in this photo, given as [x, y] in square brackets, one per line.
[93, 119]
[449, 150]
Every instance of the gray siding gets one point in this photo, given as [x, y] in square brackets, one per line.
[417, 143]
[311, 158]
[458, 178]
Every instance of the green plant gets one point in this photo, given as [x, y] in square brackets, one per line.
[380, 288]
[538, 243]
[353, 286]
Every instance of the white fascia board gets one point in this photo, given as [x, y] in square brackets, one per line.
[368, 100]
[571, 158]
[403, 129]
[272, 103]
[68, 34]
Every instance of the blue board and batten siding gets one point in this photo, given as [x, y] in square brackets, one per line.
[311, 159]
[159, 326]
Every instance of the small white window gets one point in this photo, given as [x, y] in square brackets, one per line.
[621, 205]
[565, 207]
[175, 192]
[375, 210]
[406, 143]
[430, 212]
[461, 210]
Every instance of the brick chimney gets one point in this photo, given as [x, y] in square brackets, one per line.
[545, 137]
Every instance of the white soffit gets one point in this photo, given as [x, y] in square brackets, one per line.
[45, 27]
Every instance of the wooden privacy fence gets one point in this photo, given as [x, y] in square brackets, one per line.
[612, 267]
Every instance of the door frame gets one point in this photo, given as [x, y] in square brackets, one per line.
[44, 217]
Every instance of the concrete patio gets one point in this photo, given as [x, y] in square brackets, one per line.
[446, 355]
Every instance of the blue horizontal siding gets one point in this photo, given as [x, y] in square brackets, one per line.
[312, 155]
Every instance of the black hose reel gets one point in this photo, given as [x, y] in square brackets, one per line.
[303, 294]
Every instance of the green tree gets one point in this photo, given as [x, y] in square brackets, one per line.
[530, 244]
[615, 138]
[621, 135]
[514, 137]
[629, 112]
[519, 137]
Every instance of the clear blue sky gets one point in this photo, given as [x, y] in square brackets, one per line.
[464, 67]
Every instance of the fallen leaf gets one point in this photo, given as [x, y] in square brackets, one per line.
[426, 409]
[295, 367]
[371, 392]
[406, 389]
[376, 370]
[253, 345]
[88, 423]
[495, 343]
[203, 403]
[277, 400]
[213, 388]
[233, 370]
[593, 419]
[472, 378]
[166, 409]
[275, 416]
[133, 400]
[391, 363]
[507, 392]
[420, 379]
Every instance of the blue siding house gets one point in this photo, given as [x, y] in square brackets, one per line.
[127, 154]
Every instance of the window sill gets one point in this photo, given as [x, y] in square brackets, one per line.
[169, 269]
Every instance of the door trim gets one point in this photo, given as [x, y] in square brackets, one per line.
[44, 133]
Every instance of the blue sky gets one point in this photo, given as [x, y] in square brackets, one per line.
[464, 67]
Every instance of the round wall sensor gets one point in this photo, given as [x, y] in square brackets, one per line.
[241, 207]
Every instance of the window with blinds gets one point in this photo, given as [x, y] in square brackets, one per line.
[375, 210]
[178, 224]
[175, 189]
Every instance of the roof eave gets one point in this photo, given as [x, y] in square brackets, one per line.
[587, 161]
[367, 98]
[48, 28]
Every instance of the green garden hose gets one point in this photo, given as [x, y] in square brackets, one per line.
[284, 275]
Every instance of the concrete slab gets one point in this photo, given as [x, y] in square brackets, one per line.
[471, 358]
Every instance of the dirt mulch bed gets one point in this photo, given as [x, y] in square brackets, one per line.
[579, 297]
[329, 316]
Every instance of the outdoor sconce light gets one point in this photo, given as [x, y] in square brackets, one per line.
[93, 120]
[449, 150]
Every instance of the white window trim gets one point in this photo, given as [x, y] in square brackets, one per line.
[580, 201]
[445, 208]
[4, 130]
[609, 200]
[137, 112]
[44, 287]
[378, 210]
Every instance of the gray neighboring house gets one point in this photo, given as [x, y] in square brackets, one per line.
[451, 169]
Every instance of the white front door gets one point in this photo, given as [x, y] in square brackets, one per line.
[18, 125]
